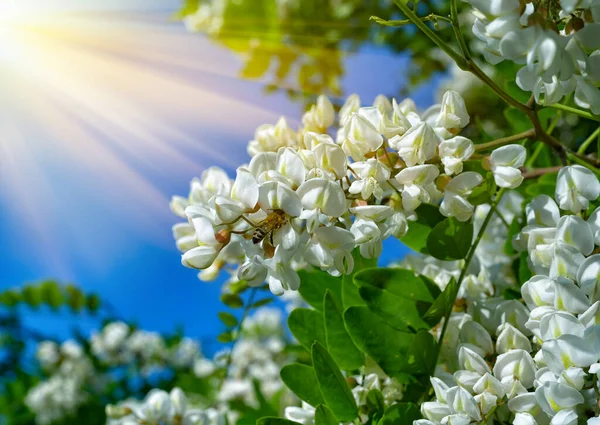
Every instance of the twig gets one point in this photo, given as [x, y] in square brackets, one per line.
[529, 134]
[530, 174]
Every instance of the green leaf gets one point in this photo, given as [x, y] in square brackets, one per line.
[232, 300]
[225, 337]
[398, 312]
[93, 303]
[375, 400]
[350, 295]
[334, 388]
[315, 283]
[387, 346]
[422, 356]
[52, 294]
[450, 239]
[307, 326]
[482, 194]
[418, 231]
[401, 282]
[32, 295]
[400, 414]
[10, 298]
[301, 380]
[443, 304]
[263, 302]
[398, 296]
[340, 345]
[75, 298]
[228, 319]
[324, 416]
[274, 421]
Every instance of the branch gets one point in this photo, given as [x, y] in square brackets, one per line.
[531, 174]
[570, 109]
[529, 134]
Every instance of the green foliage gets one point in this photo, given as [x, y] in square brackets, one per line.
[418, 232]
[350, 295]
[335, 390]
[52, 294]
[401, 414]
[397, 296]
[450, 239]
[324, 416]
[301, 380]
[228, 319]
[307, 326]
[443, 304]
[232, 300]
[339, 343]
[314, 285]
[387, 346]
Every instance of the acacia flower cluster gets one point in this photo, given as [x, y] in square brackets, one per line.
[309, 197]
[535, 362]
[73, 376]
[161, 407]
[558, 60]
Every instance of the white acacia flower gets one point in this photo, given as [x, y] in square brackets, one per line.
[323, 195]
[576, 232]
[455, 202]
[281, 275]
[417, 145]
[361, 137]
[331, 159]
[554, 397]
[453, 152]
[372, 175]
[506, 161]
[278, 196]
[516, 364]
[461, 401]
[453, 114]
[331, 250]
[349, 107]
[245, 188]
[413, 181]
[575, 187]
[320, 116]
[542, 211]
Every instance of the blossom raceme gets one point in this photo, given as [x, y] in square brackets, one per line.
[303, 198]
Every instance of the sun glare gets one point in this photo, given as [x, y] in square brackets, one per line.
[94, 101]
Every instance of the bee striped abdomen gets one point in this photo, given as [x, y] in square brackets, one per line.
[258, 235]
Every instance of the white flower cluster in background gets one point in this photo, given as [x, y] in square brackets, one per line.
[307, 198]
[534, 363]
[118, 344]
[73, 377]
[162, 408]
[558, 60]
[256, 358]
[60, 395]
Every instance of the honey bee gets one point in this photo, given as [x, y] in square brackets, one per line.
[276, 219]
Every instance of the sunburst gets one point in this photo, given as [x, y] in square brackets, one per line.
[101, 113]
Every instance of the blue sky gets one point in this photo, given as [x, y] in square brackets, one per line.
[101, 240]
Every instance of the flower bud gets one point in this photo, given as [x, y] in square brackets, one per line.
[453, 114]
